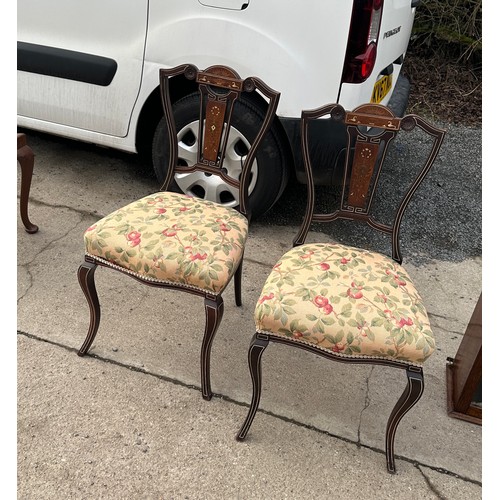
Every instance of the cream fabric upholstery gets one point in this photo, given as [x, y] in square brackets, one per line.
[347, 301]
[172, 238]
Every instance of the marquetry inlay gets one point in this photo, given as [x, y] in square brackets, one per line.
[365, 157]
[214, 125]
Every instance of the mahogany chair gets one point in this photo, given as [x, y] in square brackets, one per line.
[26, 160]
[174, 241]
[342, 302]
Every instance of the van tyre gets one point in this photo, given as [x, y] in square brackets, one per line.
[269, 173]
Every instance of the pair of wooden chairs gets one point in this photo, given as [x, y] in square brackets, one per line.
[341, 302]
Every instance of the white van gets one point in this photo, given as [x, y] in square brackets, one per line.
[90, 71]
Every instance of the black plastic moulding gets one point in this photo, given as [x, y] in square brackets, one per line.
[68, 64]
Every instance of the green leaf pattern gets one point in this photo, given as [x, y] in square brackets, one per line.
[348, 301]
[173, 238]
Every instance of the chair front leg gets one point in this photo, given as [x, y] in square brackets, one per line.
[86, 279]
[214, 309]
[255, 351]
[408, 399]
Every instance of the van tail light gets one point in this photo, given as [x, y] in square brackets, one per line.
[361, 50]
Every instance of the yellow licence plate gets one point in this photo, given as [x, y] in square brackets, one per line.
[381, 88]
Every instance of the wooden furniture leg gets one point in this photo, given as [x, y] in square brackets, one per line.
[464, 372]
[26, 159]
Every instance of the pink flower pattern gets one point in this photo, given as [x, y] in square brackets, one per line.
[133, 238]
[173, 238]
[347, 301]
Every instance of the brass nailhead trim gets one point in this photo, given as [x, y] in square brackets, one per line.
[339, 354]
[149, 278]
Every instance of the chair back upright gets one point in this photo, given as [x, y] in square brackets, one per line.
[219, 88]
[370, 130]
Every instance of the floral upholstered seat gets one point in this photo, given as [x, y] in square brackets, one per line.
[347, 301]
[172, 238]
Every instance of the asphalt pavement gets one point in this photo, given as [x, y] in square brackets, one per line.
[128, 420]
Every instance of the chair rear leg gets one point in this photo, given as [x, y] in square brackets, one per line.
[214, 309]
[237, 283]
[86, 279]
[408, 399]
[255, 352]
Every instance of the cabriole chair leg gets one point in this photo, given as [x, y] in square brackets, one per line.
[86, 279]
[408, 399]
[255, 352]
[214, 309]
[26, 159]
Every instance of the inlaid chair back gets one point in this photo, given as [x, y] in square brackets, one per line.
[370, 130]
[347, 303]
[177, 241]
[220, 88]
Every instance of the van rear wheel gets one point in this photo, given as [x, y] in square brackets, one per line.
[269, 172]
